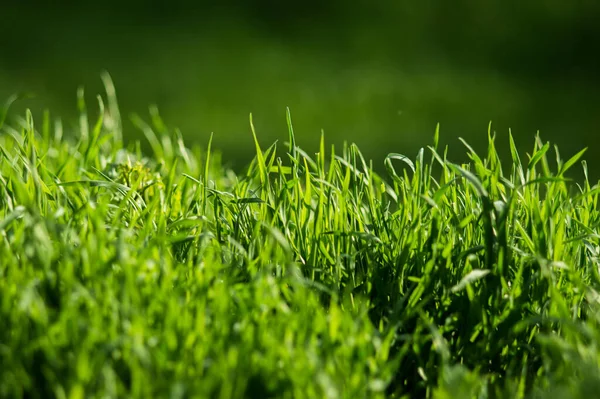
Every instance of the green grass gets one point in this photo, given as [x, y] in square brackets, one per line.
[125, 274]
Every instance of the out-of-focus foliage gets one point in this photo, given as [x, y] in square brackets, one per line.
[381, 74]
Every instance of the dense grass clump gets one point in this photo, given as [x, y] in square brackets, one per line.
[125, 274]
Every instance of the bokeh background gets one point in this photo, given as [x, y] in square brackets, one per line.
[378, 73]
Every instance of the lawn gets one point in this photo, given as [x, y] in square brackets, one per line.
[162, 273]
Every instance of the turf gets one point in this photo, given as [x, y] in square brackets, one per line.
[164, 274]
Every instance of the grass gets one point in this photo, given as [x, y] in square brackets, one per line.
[125, 274]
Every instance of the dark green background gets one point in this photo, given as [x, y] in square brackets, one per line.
[380, 74]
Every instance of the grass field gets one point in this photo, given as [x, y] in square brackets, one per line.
[124, 274]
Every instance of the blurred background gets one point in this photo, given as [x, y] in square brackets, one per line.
[381, 74]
